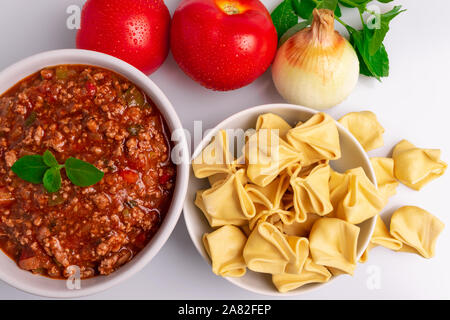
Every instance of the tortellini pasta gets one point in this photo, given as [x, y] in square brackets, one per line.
[332, 243]
[416, 228]
[215, 158]
[272, 121]
[268, 202]
[311, 273]
[300, 229]
[354, 197]
[317, 139]
[280, 209]
[311, 192]
[227, 202]
[415, 167]
[270, 251]
[381, 237]
[365, 127]
[268, 155]
[225, 247]
[384, 172]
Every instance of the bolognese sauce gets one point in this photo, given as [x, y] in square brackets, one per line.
[100, 117]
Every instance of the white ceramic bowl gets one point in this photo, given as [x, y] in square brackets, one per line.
[353, 155]
[35, 284]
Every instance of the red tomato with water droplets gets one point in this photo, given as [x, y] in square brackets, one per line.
[136, 31]
[223, 44]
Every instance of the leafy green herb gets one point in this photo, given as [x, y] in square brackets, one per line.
[50, 159]
[293, 30]
[52, 179]
[82, 174]
[45, 169]
[304, 8]
[284, 17]
[360, 4]
[327, 4]
[367, 42]
[376, 65]
[380, 33]
[30, 168]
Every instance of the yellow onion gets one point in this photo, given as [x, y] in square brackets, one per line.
[316, 67]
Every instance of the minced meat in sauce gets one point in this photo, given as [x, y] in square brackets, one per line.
[100, 117]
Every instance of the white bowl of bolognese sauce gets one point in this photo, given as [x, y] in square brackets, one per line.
[61, 288]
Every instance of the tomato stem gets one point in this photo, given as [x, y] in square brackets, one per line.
[230, 9]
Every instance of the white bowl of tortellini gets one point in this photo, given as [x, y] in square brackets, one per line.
[280, 199]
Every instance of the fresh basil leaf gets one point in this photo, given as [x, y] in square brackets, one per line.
[52, 179]
[376, 65]
[360, 4]
[380, 33]
[50, 159]
[30, 168]
[293, 31]
[284, 17]
[304, 8]
[337, 11]
[81, 173]
[385, 1]
[328, 4]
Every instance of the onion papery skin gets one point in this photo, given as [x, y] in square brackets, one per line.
[316, 67]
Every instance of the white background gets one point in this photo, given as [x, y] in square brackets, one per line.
[413, 103]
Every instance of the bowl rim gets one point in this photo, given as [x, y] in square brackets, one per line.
[36, 62]
[272, 108]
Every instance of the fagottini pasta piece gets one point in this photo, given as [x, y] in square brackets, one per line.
[311, 273]
[273, 122]
[384, 172]
[381, 237]
[268, 155]
[415, 167]
[226, 202]
[215, 158]
[271, 195]
[416, 228]
[364, 126]
[311, 192]
[332, 243]
[354, 197]
[317, 139]
[277, 217]
[268, 203]
[269, 251]
[300, 229]
[225, 247]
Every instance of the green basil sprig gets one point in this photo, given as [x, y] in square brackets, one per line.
[367, 42]
[45, 169]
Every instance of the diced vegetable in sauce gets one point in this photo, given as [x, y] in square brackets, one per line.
[134, 97]
[31, 119]
[61, 73]
[134, 129]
